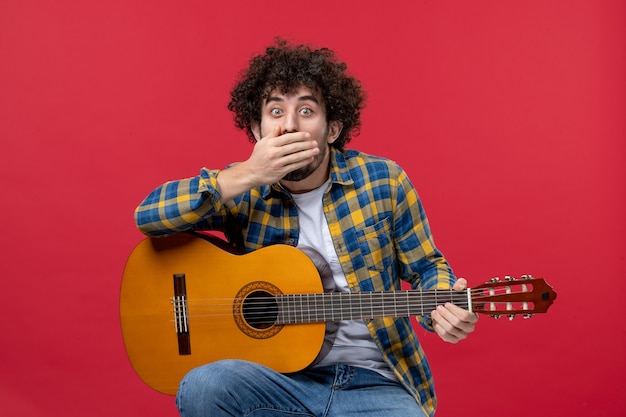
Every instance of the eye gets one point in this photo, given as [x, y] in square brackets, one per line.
[276, 111]
[306, 111]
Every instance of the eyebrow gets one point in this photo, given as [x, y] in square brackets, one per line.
[279, 99]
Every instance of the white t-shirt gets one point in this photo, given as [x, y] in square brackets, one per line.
[349, 341]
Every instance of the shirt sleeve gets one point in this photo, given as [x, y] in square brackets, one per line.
[180, 205]
[424, 266]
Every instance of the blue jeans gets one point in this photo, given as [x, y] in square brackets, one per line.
[239, 388]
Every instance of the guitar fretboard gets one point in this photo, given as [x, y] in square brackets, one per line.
[316, 308]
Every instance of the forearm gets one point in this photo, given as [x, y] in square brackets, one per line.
[177, 205]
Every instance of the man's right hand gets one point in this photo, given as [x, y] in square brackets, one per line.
[273, 156]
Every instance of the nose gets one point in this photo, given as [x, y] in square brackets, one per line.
[290, 123]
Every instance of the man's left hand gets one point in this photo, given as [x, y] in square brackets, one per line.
[451, 322]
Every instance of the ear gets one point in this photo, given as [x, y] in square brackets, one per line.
[255, 128]
[334, 130]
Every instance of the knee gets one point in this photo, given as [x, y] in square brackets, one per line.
[208, 378]
[209, 385]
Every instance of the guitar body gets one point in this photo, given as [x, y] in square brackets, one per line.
[215, 329]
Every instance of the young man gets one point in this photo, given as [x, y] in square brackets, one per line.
[358, 218]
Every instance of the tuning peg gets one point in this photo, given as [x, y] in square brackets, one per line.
[527, 316]
[494, 279]
[496, 316]
[511, 317]
[509, 278]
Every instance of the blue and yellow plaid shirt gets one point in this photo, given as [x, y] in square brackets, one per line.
[377, 223]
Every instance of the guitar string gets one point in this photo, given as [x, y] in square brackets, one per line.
[348, 313]
[388, 296]
[422, 295]
[380, 296]
[257, 308]
[303, 315]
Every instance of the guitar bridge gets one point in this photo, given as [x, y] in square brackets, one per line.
[181, 315]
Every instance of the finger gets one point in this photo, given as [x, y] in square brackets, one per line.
[293, 137]
[454, 319]
[445, 330]
[297, 147]
[292, 146]
[444, 335]
[276, 131]
[460, 314]
[460, 284]
[276, 139]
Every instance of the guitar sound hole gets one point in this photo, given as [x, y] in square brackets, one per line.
[260, 310]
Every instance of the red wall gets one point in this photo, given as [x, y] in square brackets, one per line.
[508, 116]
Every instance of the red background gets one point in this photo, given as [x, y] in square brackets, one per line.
[507, 115]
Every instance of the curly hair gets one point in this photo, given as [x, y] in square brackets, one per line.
[288, 67]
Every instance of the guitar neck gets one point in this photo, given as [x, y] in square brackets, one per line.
[334, 306]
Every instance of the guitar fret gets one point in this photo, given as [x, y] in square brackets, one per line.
[292, 309]
[308, 309]
[340, 306]
[360, 302]
[352, 305]
[331, 306]
[395, 306]
[298, 308]
[337, 307]
[315, 317]
[301, 309]
[407, 303]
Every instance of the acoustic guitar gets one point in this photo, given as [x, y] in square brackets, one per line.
[187, 300]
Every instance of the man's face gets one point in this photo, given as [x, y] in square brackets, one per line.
[300, 111]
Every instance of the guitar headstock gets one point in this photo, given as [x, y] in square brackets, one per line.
[525, 296]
